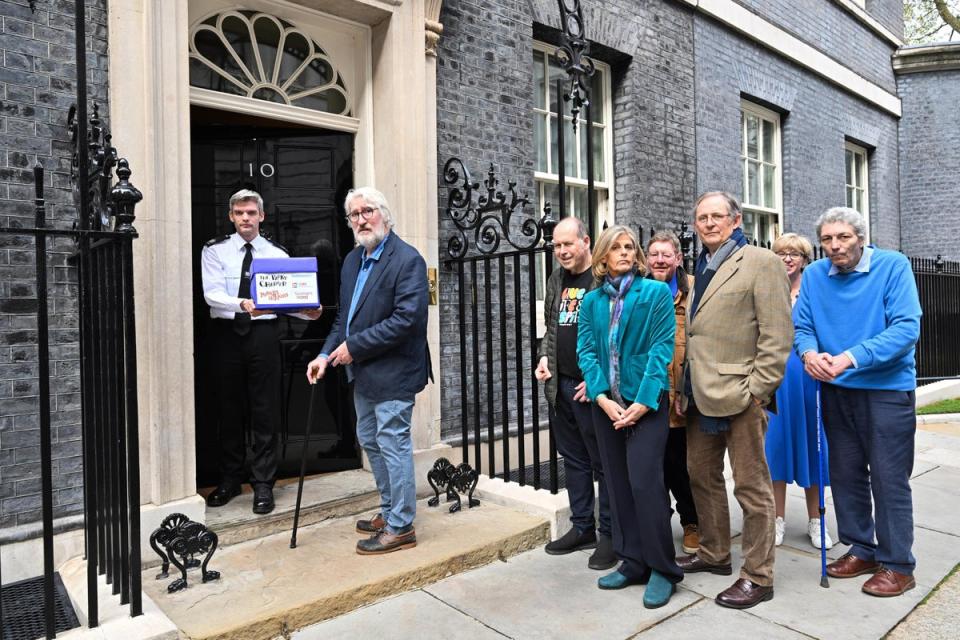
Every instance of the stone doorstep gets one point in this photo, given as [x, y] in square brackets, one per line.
[269, 590]
[330, 495]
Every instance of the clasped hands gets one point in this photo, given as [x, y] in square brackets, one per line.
[619, 416]
[825, 367]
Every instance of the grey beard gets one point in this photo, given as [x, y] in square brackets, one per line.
[370, 242]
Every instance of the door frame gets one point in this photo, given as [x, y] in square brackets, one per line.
[347, 43]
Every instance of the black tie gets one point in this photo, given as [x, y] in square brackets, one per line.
[241, 320]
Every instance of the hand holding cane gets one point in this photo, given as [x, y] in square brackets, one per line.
[303, 464]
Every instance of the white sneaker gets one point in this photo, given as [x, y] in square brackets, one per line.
[778, 528]
[813, 530]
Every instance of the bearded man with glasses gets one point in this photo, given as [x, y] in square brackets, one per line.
[380, 336]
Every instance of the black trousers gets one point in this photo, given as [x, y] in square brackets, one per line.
[633, 468]
[675, 475]
[248, 386]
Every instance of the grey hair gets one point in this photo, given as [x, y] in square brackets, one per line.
[245, 195]
[665, 236]
[733, 205]
[845, 215]
[372, 197]
[581, 228]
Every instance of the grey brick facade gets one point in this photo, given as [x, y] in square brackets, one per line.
[816, 119]
[930, 152]
[37, 87]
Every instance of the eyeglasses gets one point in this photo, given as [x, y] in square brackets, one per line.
[364, 213]
[783, 255]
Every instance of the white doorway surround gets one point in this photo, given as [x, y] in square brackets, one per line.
[382, 51]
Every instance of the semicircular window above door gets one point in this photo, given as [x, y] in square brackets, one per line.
[260, 56]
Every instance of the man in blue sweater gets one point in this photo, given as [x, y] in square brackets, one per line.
[857, 322]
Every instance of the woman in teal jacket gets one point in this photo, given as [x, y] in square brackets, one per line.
[624, 345]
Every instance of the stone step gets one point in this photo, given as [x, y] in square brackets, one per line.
[331, 495]
[268, 590]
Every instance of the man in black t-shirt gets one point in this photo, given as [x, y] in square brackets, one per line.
[570, 416]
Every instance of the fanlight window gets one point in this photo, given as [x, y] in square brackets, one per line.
[259, 56]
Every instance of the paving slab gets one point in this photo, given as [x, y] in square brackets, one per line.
[935, 499]
[411, 615]
[268, 589]
[706, 620]
[535, 595]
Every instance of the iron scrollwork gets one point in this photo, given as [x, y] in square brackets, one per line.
[183, 540]
[572, 55]
[490, 217]
[111, 206]
[453, 480]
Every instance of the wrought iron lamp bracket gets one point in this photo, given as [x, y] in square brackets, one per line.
[487, 213]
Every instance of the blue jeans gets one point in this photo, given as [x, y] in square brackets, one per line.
[383, 430]
[871, 434]
[572, 423]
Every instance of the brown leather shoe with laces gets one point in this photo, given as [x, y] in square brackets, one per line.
[691, 538]
[694, 564]
[850, 566]
[887, 583]
[372, 525]
[386, 542]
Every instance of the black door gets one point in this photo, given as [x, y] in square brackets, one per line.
[303, 176]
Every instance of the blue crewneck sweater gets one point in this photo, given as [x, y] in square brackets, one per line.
[875, 315]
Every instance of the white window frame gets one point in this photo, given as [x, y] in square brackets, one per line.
[604, 189]
[861, 156]
[749, 108]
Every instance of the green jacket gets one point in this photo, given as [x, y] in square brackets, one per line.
[647, 327]
[551, 315]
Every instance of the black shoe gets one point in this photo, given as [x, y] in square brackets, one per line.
[223, 494]
[603, 557]
[572, 541]
[262, 499]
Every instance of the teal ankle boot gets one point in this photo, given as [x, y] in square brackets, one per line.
[614, 580]
[658, 591]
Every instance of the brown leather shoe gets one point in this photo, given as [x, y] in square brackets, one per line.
[886, 583]
[850, 566]
[386, 542]
[694, 564]
[744, 594]
[691, 538]
[371, 526]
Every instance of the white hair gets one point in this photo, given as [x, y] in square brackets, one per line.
[373, 198]
[845, 215]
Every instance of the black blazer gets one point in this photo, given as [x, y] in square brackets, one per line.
[388, 332]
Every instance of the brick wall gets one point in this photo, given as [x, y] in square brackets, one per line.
[929, 163]
[826, 26]
[37, 87]
[817, 119]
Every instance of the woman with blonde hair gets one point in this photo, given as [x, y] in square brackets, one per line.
[791, 443]
[624, 345]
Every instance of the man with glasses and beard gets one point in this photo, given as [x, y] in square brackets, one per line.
[380, 336]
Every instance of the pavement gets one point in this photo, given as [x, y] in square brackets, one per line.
[534, 595]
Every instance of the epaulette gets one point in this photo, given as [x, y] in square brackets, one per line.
[276, 244]
[217, 240]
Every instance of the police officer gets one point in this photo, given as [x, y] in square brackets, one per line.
[246, 344]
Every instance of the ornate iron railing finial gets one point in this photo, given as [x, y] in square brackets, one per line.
[572, 56]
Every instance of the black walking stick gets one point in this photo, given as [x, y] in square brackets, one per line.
[823, 546]
[303, 465]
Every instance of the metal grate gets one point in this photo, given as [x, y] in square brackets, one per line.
[544, 475]
[23, 617]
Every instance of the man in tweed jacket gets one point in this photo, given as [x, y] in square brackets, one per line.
[739, 333]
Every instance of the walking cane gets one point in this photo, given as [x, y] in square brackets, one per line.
[823, 532]
[303, 465]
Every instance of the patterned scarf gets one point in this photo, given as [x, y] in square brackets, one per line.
[616, 289]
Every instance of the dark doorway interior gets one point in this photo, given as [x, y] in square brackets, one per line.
[303, 175]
